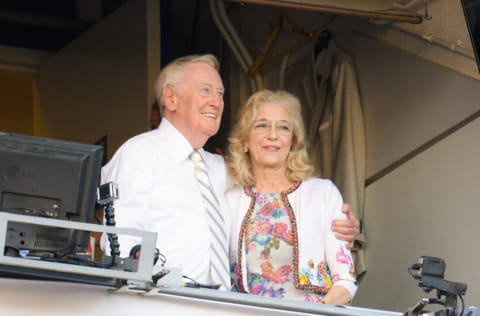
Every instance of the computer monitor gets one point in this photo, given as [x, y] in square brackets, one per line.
[49, 178]
[471, 10]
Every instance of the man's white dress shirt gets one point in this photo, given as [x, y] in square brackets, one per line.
[158, 192]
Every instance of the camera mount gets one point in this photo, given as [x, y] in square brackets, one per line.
[430, 271]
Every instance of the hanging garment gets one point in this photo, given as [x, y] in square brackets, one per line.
[326, 85]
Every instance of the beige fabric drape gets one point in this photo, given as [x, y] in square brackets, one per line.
[327, 87]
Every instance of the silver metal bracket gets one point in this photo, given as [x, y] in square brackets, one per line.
[142, 275]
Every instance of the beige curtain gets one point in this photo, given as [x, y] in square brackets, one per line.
[325, 81]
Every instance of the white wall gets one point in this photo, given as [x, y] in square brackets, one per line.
[100, 84]
[406, 98]
[429, 205]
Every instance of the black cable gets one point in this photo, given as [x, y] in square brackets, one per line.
[162, 258]
[463, 305]
[75, 260]
[193, 284]
[196, 284]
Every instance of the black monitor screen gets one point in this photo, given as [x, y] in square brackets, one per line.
[471, 9]
[49, 178]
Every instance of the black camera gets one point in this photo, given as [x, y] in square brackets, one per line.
[430, 272]
[431, 266]
[107, 193]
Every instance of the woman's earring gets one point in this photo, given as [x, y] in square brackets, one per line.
[245, 149]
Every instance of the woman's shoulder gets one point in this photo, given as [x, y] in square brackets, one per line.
[319, 187]
[316, 183]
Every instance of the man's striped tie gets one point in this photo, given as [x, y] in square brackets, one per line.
[219, 270]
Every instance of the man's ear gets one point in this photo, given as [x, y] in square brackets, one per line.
[169, 98]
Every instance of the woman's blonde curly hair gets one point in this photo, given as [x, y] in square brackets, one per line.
[238, 159]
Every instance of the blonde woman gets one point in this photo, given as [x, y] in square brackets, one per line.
[282, 244]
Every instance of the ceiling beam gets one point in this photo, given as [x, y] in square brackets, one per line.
[309, 6]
